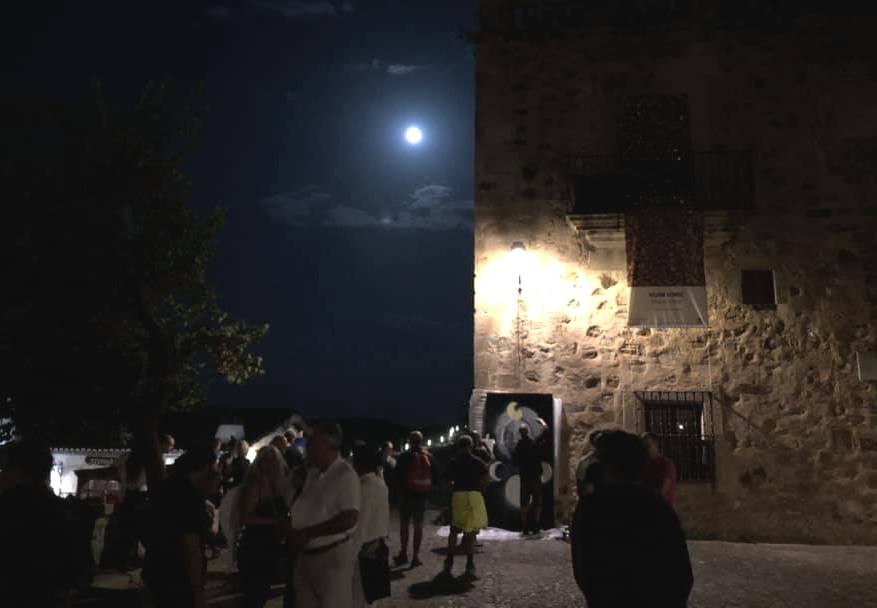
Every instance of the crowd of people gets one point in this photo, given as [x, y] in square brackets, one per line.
[315, 517]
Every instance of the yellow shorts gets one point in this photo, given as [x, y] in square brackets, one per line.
[468, 512]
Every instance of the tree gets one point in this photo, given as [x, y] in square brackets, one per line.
[109, 322]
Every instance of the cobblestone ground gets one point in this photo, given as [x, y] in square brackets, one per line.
[537, 573]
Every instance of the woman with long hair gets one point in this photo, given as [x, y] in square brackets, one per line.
[263, 516]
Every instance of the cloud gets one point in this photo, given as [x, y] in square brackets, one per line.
[432, 207]
[399, 69]
[297, 208]
[294, 9]
[378, 66]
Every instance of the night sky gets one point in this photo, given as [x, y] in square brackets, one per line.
[354, 245]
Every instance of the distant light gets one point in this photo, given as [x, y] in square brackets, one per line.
[442, 439]
[451, 432]
[413, 135]
[429, 442]
[681, 426]
[407, 446]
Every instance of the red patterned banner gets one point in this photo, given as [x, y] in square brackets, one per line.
[665, 267]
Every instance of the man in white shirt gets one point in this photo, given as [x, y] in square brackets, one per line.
[373, 529]
[324, 521]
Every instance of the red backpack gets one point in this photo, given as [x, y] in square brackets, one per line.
[419, 479]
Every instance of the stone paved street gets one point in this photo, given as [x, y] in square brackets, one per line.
[537, 573]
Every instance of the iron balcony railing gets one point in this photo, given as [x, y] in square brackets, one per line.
[715, 181]
[560, 15]
[564, 14]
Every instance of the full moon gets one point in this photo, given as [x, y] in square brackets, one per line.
[413, 135]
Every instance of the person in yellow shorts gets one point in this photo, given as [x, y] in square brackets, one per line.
[468, 475]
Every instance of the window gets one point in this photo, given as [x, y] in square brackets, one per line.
[677, 419]
[758, 289]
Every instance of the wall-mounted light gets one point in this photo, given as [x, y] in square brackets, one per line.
[518, 252]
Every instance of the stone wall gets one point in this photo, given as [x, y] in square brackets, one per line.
[796, 428]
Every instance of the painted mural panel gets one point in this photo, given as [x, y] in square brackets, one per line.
[504, 413]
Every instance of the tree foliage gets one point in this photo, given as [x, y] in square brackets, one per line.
[108, 320]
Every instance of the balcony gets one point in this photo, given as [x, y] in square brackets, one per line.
[554, 15]
[543, 16]
[719, 183]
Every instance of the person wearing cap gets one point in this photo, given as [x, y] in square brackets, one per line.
[323, 523]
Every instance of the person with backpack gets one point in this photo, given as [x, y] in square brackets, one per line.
[415, 477]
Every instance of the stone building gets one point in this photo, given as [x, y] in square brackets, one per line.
[769, 114]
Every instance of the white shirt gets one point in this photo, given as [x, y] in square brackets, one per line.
[374, 516]
[325, 495]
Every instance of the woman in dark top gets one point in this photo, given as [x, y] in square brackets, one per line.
[263, 515]
[468, 474]
[628, 546]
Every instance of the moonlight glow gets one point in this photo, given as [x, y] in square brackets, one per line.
[413, 135]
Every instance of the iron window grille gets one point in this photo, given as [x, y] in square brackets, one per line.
[683, 423]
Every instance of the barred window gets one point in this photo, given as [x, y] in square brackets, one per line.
[677, 420]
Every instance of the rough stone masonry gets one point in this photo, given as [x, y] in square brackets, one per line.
[795, 427]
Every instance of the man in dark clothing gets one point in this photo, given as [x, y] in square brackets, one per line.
[529, 462]
[238, 466]
[415, 477]
[628, 547]
[38, 565]
[176, 565]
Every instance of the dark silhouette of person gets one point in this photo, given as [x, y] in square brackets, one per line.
[628, 547]
[38, 559]
[529, 462]
[176, 565]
